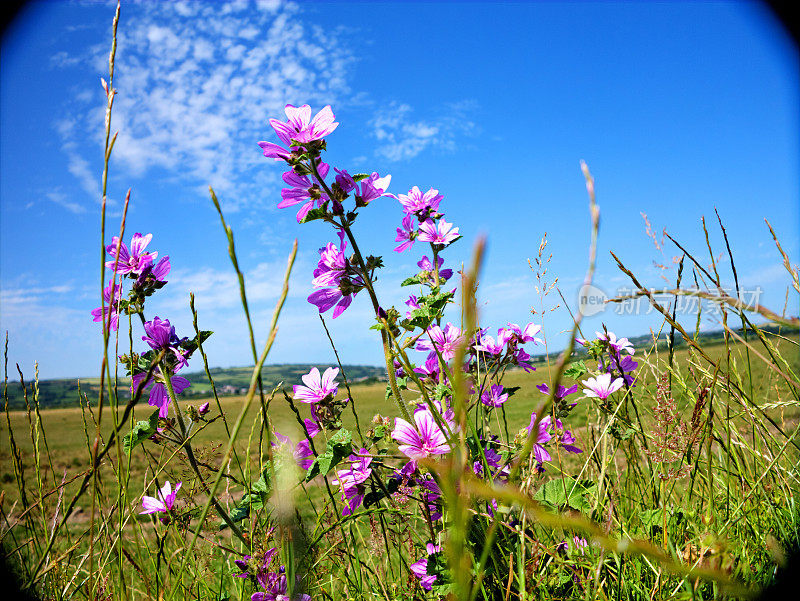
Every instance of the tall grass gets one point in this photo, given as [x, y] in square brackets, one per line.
[685, 486]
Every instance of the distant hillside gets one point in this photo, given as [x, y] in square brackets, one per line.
[228, 381]
[235, 380]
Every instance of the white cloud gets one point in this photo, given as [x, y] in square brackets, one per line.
[400, 137]
[197, 83]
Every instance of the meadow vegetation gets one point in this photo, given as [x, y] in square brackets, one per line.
[662, 469]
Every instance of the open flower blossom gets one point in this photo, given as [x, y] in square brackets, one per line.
[317, 388]
[515, 335]
[134, 260]
[601, 387]
[111, 304]
[487, 344]
[351, 480]
[302, 190]
[159, 396]
[164, 502]
[623, 344]
[443, 340]
[420, 568]
[338, 287]
[419, 204]
[405, 234]
[437, 233]
[424, 440]
[301, 128]
[494, 397]
[426, 266]
[372, 187]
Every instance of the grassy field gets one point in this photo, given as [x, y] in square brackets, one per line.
[69, 432]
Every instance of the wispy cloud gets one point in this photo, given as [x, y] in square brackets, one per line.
[401, 136]
[197, 83]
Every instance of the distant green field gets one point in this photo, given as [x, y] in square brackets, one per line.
[228, 380]
[64, 427]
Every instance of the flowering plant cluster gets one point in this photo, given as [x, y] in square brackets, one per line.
[427, 430]
[446, 380]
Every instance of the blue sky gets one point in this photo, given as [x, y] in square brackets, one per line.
[676, 107]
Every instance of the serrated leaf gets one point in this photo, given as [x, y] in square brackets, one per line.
[339, 446]
[140, 432]
[576, 369]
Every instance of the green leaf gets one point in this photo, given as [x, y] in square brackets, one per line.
[313, 214]
[652, 518]
[359, 176]
[411, 281]
[563, 493]
[140, 432]
[339, 446]
[576, 369]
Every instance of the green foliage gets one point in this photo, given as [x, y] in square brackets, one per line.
[339, 447]
[140, 432]
[561, 494]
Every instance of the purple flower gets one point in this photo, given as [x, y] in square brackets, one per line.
[204, 408]
[623, 344]
[542, 437]
[579, 545]
[444, 340]
[432, 497]
[274, 583]
[420, 568]
[437, 233]
[160, 336]
[494, 396]
[159, 396]
[312, 427]
[331, 274]
[372, 187]
[330, 297]
[488, 345]
[133, 261]
[412, 303]
[345, 181]
[601, 387]
[165, 501]
[275, 151]
[419, 204]
[562, 391]
[430, 369]
[352, 480]
[301, 452]
[626, 366]
[332, 265]
[561, 394]
[424, 440]
[405, 234]
[426, 265]
[158, 273]
[301, 128]
[111, 304]
[302, 190]
[317, 388]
